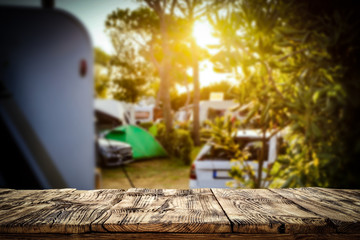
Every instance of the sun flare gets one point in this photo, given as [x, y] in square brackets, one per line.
[202, 33]
[207, 77]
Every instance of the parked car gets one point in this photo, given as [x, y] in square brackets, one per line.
[211, 168]
[113, 153]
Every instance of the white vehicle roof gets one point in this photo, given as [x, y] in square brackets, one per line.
[251, 133]
[144, 107]
[111, 107]
[115, 109]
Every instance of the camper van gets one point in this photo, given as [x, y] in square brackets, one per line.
[110, 113]
[208, 110]
[147, 113]
[144, 113]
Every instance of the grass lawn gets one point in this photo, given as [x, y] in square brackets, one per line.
[151, 173]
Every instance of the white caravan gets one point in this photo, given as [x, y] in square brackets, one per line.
[46, 100]
[208, 110]
[122, 111]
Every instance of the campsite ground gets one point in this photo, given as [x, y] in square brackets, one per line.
[151, 173]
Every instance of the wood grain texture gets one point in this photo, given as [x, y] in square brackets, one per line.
[182, 236]
[54, 211]
[150, 236]
[343, 194]
[166, 210]
[314, 213]
[264, 211]
[340, 209]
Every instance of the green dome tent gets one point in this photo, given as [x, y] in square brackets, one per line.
[143, 144]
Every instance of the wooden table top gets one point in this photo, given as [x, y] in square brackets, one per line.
[260, 212]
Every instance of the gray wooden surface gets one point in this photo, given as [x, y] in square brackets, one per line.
[170, 213]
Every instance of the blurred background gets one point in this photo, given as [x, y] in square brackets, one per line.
[179, 94]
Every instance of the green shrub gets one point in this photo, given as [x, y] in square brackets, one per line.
[184, 145]
[178, 143]
[146, 125]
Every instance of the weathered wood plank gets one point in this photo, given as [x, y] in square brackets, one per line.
[263, 211]
[54, 211]
[342, 194]
[160, 214]
[182, 236]
[151, 236]
[168, 210]
[343, 212]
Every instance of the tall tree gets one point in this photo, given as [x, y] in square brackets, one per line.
[139, 34]
[192, 10]
[134, 36]
[131, 73]
[164, 9]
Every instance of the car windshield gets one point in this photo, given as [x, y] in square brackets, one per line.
[251, 145]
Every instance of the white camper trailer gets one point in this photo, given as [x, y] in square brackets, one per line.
[122, 111]
[208, 110]
[46, 103]
[144, 113]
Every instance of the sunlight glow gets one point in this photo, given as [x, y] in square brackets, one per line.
[181, 89]
[207, 76]
[202, 33]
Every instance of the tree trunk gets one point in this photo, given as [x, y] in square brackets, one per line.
[186, 84]
[258, 184]
[160, 9]
[166, 100]
[196, 119]
[164, 77]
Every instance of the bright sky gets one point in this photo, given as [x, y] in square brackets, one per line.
[93, 13]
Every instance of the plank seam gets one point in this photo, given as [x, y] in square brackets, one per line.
[231, 223]
[327, 220]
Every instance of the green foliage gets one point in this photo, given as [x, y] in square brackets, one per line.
[101, 77]
[179, 100]
[316, 100]
[101, 57]
[221, 134]
[129, 89]
[298, 69]
[294, 59]
[146, 125]
[178, 143]
[152, 44]
[131, 74]
[101, 84]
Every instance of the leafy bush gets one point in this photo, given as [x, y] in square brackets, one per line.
[146, 125]
[178, 143]
[184, 145]
[220, 134]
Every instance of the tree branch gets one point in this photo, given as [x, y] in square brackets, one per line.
[269, 71]
[155, 5]
[279, 129]
[173, 4]
[153, 59]
[291, 54]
